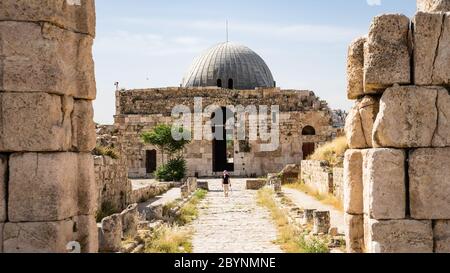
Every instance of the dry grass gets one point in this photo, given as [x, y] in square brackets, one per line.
[170, 239]
[289, 238]
[326, 199]
[333, 152]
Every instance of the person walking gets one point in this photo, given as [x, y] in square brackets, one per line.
[226, 183]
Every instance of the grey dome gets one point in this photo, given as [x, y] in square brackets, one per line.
[229, 64]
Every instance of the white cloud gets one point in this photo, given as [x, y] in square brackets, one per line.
[374, 2]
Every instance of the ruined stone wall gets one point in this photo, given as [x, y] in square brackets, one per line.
[318, 175]
[338, 183]
[397, 180]
[301, 108]
[47, 184]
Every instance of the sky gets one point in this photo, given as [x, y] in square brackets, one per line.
[152, 43]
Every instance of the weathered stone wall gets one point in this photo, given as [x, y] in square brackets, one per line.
[318, 175]
[338, 183]
[397, 180]
[47, 132]
[139, 111]
[111, 174]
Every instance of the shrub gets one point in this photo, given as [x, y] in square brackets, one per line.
[174, 170]
[333, 152]
[105, 151]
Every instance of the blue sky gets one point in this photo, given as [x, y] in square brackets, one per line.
[151, 43]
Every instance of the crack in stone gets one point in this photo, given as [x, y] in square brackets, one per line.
[437, 47]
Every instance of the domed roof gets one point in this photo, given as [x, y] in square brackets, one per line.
[229, 65]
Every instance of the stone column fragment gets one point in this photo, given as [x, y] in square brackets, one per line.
[354, 234]
[353, 182]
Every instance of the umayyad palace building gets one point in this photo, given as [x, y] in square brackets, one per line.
[226, 75]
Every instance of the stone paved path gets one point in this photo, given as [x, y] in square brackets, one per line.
[233, 225]
[305, 201]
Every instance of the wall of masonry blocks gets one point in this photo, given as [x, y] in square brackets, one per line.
[47, 84]
[397, 175]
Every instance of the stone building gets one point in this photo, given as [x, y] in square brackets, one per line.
[224, 77]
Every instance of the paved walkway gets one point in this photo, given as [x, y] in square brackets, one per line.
[235, 224]
[305, 201]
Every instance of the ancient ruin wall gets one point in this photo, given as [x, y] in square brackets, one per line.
[397, 180]
[47, 184]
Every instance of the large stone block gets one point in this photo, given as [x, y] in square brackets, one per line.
[83, 126]
[433, 5]
[353, 182]
[130, 221]
[3, 185]
[35, 122]
[429, 183]
[354, 235]
[1, 237]
[86, 233]
[41, 237]
[441, 231]
[76, 15]
[110, 234]
[355, 69]
[400, 236]
[407, 118]
[441, 136]
[384, 184]
[50, 186]
[360, 121]
[387, 53]
[45, 58]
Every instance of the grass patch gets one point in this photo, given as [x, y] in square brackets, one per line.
[170, 239]
[333, 152]
[289, 238]
[106, 151]
[189, 212]
[326, 199]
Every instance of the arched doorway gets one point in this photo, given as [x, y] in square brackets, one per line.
[308, 148]
[223, 142]
[230, 84]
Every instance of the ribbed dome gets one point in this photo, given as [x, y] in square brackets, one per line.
[229, 65]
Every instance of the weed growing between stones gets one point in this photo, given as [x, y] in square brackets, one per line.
[290, 238]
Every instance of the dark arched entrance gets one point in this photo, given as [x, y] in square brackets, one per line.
[223, 142]
[308, 148]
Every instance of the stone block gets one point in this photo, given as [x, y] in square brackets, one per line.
[400, 236]
[3, 187]
[35, 122]
[355, 69]
[110, 234]
[384, 184]
[360, 121]
[321, 222]
[407, 118]
[353, 182]
[433, 5]
[86, 233]
[40, 237]
[441, 136]
[50, 186]
[354, 234]
[130, 221]
[441, 231]
[387, 53]
[255, 184]
[83, 136]
[429, 183]
[76, 15]
[46, 58]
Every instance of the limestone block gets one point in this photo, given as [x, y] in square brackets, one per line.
[35, 122]
[353, 182]
[130, 221]
[41, 237]
[76, 15]
[321, 222]
[400, 236]
[354, 130]
[384, 184]
[441, 231]
[355, 69]
[110, 235]
[3, 185]
[429, 179]
[360, 121]
[46, 58]
[255, 184]
[433, 5]
[407, 118]
[386, 53]
[86, 233]
[428, 31]
[50, 186]
[441, 136]
[83, 126]
[354, 234]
